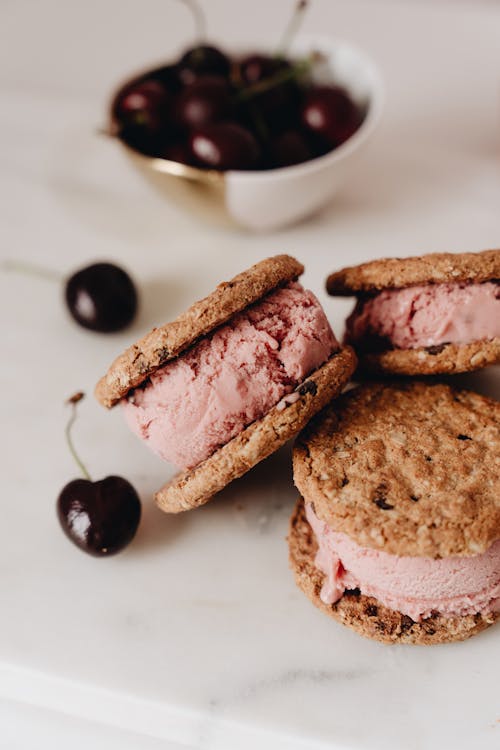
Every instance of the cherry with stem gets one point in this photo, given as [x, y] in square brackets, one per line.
[100, 517]
[101, 297]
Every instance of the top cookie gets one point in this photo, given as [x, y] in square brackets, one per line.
[146, 356]
[408, 468]
[395, 273]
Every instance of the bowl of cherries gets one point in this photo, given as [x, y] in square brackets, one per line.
[261, 138]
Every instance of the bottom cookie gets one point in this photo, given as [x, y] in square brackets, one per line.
[366, 615]
[443, 359]
[195, 487]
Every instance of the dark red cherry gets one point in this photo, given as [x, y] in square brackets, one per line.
[200, 61]
[99, 517]
[290, 147]
[101, 297]
[255, 68]
[329, 113]
[143, 106]
[178, 151]
[276, 105]
[206, 100]
[168, 77]
[224, 145]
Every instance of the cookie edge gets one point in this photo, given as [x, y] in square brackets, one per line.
[446, 359]
[163, 344]
[398, 273]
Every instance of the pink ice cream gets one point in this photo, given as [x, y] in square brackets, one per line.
[421, 316]
[208, 395]
[415, 586]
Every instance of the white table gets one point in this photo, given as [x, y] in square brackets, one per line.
[196, 634]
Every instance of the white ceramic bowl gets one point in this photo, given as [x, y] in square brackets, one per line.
[270, 199]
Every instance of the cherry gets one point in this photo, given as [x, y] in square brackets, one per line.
[101, 517]
[200, 61]
[270, 93]
[224, 145]
[329, 113]
[255, 68]
[290, 147]
[101, 297]
[178, 151]
[140, 114]
[168, 77]
[206, 100]
[142, 106]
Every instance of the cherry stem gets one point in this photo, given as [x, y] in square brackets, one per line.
[297, 70]
[200, 21]
[292, 27]
[30, 269]
[73, 402]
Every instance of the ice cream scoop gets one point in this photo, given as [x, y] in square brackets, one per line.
[415, 586]
[427, 315]
[201, 400]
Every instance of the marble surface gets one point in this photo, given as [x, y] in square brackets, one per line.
[196, 634]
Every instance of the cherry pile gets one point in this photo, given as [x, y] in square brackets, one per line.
[212, 111]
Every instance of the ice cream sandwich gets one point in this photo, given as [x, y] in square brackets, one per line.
[397, 532]
[425, 315]
[230, 380]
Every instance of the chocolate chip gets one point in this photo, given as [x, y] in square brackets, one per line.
[352, 592]
[406, 623]
[436, 349]
[344, 482]
[382, 503]
[463, 437]
[428, 458]
[414, 498]
[308, 387]
[371, 610]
